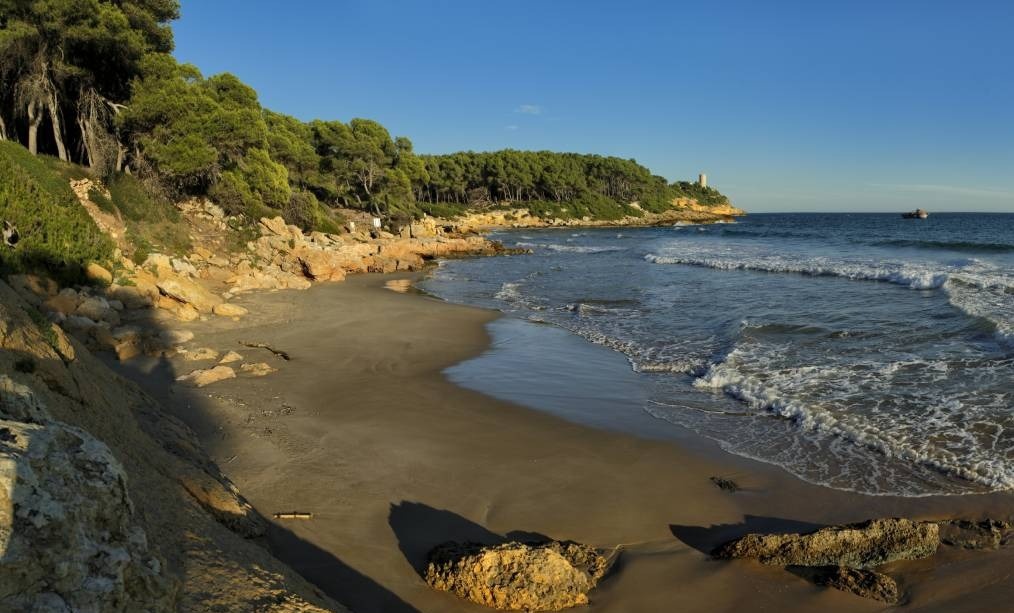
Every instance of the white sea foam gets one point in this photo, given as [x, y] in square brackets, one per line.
[913, 439]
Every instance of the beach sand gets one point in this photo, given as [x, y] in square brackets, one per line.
[363, 429]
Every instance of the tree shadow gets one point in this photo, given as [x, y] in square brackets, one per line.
[707, 538]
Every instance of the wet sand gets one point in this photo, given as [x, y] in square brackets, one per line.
[363, 429]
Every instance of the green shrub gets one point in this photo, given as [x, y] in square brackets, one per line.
[57, 235]
[137, 203]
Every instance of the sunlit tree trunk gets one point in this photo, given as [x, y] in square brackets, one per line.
[34, 119]
[54, 116]
[3, 129]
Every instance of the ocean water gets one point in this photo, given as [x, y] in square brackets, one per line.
[859, 351]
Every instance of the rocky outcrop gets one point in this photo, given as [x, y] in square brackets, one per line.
[517, 576]
[863, 545]
[68, 535]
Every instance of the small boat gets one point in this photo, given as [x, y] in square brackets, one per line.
[916, 214]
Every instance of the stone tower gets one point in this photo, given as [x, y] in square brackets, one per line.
[702, 180]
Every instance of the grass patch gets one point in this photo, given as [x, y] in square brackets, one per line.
[99, 198]
[58, 237]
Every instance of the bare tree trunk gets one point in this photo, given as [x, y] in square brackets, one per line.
[3, 129]
[34, 119]
[121, 154]
[54, 116]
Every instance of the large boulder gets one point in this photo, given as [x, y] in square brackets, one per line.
[68, 535]
[517, 576]
[189, 292]
[863, 545]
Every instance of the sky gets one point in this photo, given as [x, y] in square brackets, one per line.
[787, 105]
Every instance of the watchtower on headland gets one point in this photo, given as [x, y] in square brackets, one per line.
[702, 180]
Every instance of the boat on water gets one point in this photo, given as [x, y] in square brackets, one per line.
[916, 214]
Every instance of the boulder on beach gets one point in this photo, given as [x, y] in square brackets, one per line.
[863, 545]
[517, 576]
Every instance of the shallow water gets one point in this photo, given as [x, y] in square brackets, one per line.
[863, 352]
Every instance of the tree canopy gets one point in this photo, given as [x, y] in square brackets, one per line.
[106, 66]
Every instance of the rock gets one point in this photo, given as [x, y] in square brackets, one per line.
[176, 337]
[985, 534]
[274, 225]
[200, 378]
[183, 267]
[230, 357]
[321, 265]
[71, 541]
[130, 297]
[65, 302]
[98, 274]
[863, 545]
[189, 292]
[98, 309]
[33, 288]
[517, 576]
[200, 355]
[864, 583]
[159, 262]
[229, 310]
[726, 485]
[258, 369]
[18, 403]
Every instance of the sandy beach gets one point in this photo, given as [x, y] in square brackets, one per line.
[363, 429]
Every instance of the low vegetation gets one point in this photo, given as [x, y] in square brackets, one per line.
[56, 233]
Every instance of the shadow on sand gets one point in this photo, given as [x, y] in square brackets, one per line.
[707, 538]
[326, 571]
[334, 577]
[419, 528]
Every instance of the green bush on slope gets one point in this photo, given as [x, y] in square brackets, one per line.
[57, 235]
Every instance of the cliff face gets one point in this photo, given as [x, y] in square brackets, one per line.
[107, 503]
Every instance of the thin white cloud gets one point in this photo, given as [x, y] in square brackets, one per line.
[511, 128]
[957, 190]
[529, 109]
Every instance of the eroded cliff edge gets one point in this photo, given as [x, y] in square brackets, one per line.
[108, 503]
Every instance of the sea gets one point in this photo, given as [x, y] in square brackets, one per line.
[863, 352]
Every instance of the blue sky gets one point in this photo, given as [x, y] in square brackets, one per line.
[806, 105]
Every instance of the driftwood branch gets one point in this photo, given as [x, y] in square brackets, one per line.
[279, 353]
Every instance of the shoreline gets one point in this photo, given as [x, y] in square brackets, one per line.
[393, 459]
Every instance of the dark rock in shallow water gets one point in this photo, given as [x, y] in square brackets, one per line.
[726, 485]
[517, 576]
[985, 534]
[863, 545]
[861, 582]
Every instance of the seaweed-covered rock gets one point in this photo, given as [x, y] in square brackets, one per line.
[863, 545]
[517, 576]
